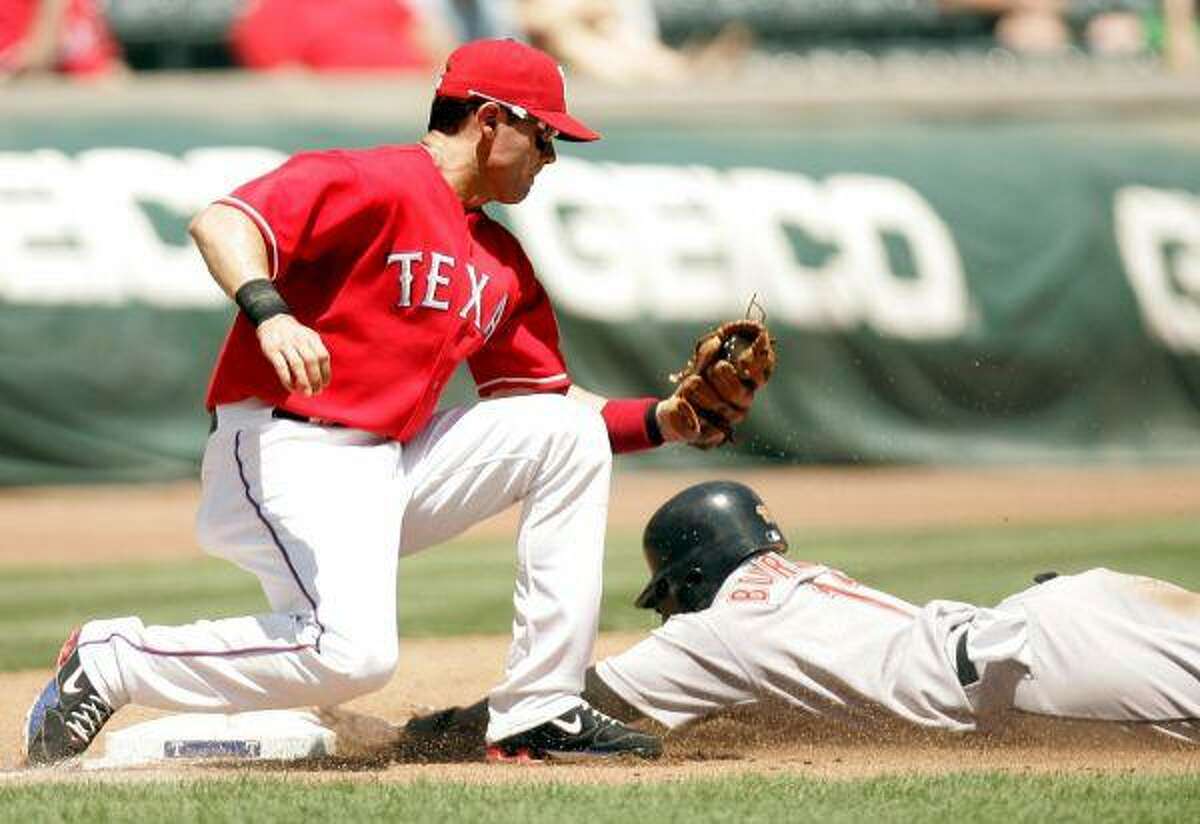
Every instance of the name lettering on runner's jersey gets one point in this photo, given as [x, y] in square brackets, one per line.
[430, 285]
[756, 578]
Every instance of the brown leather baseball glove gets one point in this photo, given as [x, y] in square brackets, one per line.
[714, 391]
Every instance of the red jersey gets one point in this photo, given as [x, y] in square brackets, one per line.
[373, 250]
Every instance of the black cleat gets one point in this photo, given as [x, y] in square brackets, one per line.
[67, 715]
[579, 733]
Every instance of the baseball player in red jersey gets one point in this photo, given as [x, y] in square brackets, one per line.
[364, 278]
[743, 624]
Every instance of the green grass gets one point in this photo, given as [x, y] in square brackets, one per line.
[466, 586]
[952, 798]
[982, 565]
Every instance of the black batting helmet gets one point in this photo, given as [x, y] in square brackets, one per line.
[701, 535]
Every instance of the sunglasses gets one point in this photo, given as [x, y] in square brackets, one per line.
[543, 137]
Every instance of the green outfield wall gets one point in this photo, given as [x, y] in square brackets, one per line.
[947, 292]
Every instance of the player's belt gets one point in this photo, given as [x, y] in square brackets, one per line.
[281, 414]
[285, 415]
[967, 673]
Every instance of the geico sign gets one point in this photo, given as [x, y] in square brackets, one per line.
[1158, 233]
[77, 230]
[610, 241]
[618, 242]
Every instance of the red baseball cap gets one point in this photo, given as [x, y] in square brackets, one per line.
[516, 75]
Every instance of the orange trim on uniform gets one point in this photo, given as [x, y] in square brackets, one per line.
[858, 596]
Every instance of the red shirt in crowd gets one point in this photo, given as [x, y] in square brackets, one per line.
[329, 35]
[85, 45]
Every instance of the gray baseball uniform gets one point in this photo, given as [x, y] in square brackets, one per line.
[1100, 645]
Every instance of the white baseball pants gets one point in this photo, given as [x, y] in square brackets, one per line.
[320, 516]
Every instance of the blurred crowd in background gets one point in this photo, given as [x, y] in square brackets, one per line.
[621, 42]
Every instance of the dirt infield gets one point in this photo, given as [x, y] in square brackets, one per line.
[437, 672]
[114, 523]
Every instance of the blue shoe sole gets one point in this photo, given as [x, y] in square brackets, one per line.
[36, 716]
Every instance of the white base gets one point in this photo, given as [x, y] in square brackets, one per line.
[249, 736]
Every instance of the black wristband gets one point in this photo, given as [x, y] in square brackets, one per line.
[652, 431]
[259, 300]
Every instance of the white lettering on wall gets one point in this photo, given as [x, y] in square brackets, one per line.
[77, 231]
[612, 242]
[1158, 234]
[618, 242]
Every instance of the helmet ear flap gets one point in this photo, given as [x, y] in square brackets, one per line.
[688, 590]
